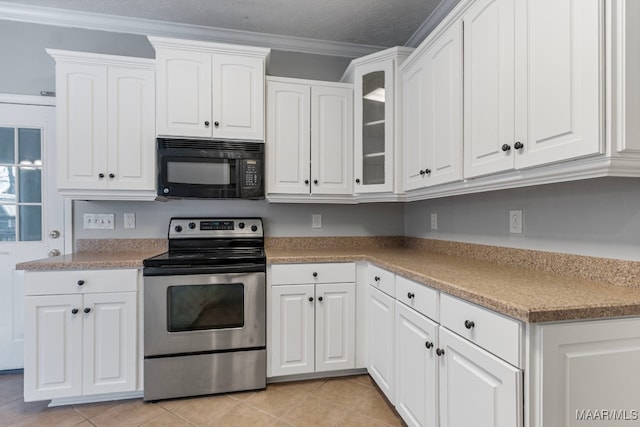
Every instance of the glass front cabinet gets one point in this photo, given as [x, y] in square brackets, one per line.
[376, 106]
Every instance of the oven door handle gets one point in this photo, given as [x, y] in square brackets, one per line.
[172, 270]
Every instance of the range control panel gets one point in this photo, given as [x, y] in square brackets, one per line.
[180, 228]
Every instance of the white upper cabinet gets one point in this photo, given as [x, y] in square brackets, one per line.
[533, 83]
[209, 90]
[105, 123]
[309, 137]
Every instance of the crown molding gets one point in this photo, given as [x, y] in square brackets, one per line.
[147, 27]
[432, 21]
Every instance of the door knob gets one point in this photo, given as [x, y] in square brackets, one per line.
[54, 234]
[53, 252]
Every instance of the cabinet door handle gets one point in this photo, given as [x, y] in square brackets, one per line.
[320, 299]
[206, 123]
[87, 310]
[315, 181]
[439, 351]
[74, 311]
[411, 295]
[357, 180]
[422, 172]
[216, 124]
[506, 147]
[80, 282]
[310, 299]
[428, 344]
[100, 175]
[427, 171]
[315, 274]
[469, 324]
[518, 145]
[306, 182]
[377, 278]
[112, 175]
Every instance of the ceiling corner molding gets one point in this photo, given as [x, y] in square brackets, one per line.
[438, 14]
[147, 27]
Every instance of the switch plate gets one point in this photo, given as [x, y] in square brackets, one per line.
[130, 220]
[515, 221]
[99, 221]
[316, 221]
[434, 221]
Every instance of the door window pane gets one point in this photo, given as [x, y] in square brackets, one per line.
[29, 147]
[30, 185]
[7, 146]
[7, 184]
[7, 223]
[30, 223]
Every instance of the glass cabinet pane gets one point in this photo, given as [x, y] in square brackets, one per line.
[373, 128]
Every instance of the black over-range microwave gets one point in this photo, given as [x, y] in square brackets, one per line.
[206, 169]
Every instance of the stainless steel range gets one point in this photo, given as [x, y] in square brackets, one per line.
[204, 309]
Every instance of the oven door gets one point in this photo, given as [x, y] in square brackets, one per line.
[204, 313]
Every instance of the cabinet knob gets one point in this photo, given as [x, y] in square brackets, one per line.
[428, 344]
[377, 278]
[427, 171]
[506, 147]
[112, 175]
[315, 274]
[74, 311]
[357, 180]
[315, 181]
[206, 123]
[100, 175]
[306, 182]
[422, 172]
[469, 324]
[320, 299]
[216, 124]
[80, 282]
[411, 295]
[518, 145]
[87, 310]
[310, 299]
[439, 351]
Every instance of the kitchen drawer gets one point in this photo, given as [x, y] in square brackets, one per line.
[492, 331]
[291, 274]
[417, 296]
[382, 279]
[80, 281]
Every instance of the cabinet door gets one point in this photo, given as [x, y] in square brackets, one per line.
[381, 341]
[81, 91]
[109, 343]
[52, 347]
[374, 127]
[335, 326]
[183, 93]
[443, 92]
[587, 367]
[416, 379]
[331, 140]
[288, 138]
[292, 338]
[413, 124]
[131, 113]
[477, 388]
[238, 97]
[559, 82]
[489, 87]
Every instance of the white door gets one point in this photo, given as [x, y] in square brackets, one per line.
[31, 212]
[335, 326]
[381, 341]
[477, 388]
[331, 140]
[293, 333]
[416, 380]
[413, 124]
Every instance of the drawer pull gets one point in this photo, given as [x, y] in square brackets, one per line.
[87, 310]
[411, 295]
[469, 324]
[310, 299]
[80, 282]
[439, 351]
[428, 344]
[74, 311]
[320, 299]
[377, 278]
[315, 274]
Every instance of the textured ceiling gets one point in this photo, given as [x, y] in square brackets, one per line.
[369, 22]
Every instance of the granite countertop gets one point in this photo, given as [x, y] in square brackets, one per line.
[89, 261]
[528, 295]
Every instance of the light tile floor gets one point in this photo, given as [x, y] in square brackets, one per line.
[348, 401]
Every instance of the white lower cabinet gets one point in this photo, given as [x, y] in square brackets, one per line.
[312, 324]
[80, 338]
[381, 335]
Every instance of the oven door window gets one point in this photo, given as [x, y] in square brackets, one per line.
[200, 307]
[210, 171]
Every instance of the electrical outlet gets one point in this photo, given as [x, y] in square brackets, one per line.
[515, 221]
[434, 221]
[130, 220]
[99, 221]
[316, 221]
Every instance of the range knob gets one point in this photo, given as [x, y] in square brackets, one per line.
[241, 225]
[178, 228]
[254, 227]
[192, 225]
